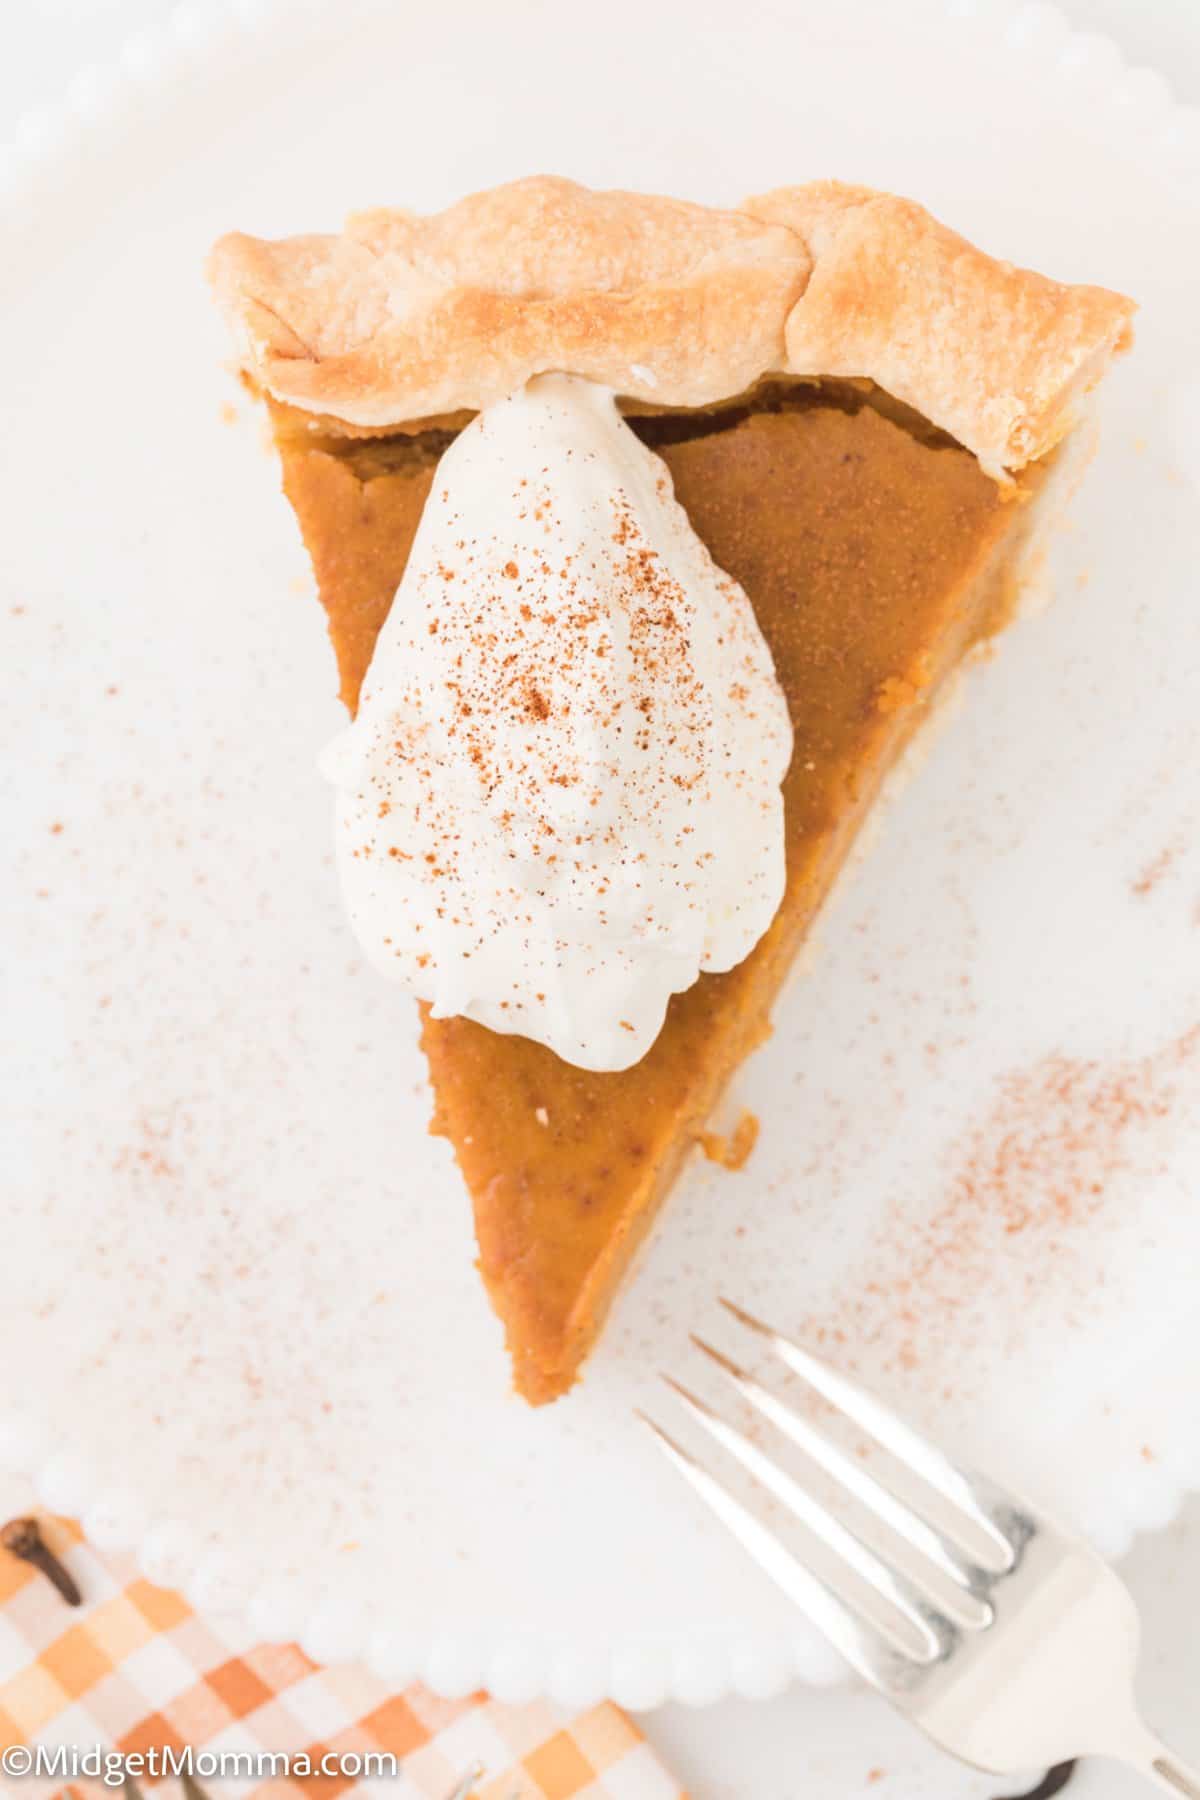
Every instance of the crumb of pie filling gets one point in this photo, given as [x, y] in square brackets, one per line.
[732, 1150]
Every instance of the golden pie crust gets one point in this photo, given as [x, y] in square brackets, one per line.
[404, 317]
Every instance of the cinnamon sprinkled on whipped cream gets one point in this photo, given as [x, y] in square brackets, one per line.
[560, 799]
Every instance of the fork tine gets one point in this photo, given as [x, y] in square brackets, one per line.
[933, 1630]
[845, 1628]
[850, 1474]
[905, 1444]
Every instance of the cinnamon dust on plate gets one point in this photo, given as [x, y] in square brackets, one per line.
[1020, 1189]
[1154, 872]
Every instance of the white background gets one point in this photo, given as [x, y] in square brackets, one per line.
[805, 1743]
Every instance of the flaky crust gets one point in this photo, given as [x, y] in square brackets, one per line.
[404, 317]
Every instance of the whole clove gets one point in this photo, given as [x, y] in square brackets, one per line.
[23, 1538]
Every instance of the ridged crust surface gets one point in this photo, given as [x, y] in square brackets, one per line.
[403, 317]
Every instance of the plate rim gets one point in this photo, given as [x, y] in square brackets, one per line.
[637, 1674]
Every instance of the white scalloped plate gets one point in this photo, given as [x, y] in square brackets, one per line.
[236, 1280]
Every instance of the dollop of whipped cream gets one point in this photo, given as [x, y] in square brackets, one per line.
[560, 799]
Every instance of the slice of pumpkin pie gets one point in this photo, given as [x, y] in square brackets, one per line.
[647, 535]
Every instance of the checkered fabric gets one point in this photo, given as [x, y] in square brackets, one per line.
[134, 1668]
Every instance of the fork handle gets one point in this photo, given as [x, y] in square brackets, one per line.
[1161, 1766]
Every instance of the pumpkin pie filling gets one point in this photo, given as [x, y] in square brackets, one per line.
[876, 554]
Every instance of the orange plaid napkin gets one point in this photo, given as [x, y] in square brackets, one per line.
[135, 1669]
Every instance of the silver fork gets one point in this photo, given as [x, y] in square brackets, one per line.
[1011, 1644]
